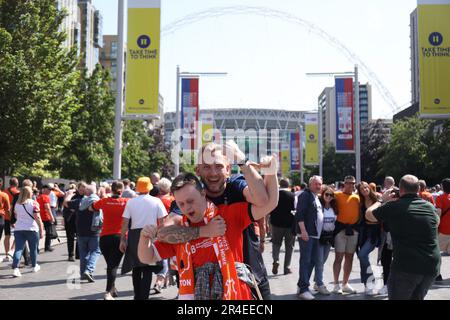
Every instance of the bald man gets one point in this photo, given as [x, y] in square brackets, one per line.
[413, 223]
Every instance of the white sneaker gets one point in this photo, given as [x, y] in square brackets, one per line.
[36, 268]
[7, 259]
[337, 289]
[383, 291]
[348, 289]
[108, 296]
[16, 273]
[322, 289]
[306, 296]
[370, 291]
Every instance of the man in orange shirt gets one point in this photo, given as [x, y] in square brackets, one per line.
[4, 212]
[346, 239]
[424, 194]
[46, 214]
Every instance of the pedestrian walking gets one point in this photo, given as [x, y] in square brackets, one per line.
[28, 228]
[112, 208]
[142, 210]
[282, 222]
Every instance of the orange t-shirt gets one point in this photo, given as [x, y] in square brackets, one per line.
[167, 201]
[42, 200]
[348, 207]
[443, 203]
[237, 219]
[427, 197]
[5, 205]
[113, 209]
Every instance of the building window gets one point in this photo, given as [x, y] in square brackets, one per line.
[113, 50]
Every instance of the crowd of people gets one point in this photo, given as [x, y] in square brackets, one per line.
[208, 230]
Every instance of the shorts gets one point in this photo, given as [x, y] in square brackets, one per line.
[2, 225]
[444, 242]
[344, 243]
[7, 228]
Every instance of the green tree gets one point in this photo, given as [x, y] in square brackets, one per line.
[38, 81]
[336, 165]
[408, 149]
[90, 151]
[438, 166]
[372, 149]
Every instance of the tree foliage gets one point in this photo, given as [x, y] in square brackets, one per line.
[416, 148]
[38, 80]
[372, 150]
[88, 156]
[336, 165]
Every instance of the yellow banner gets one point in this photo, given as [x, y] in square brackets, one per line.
[434, 59]
[312, 140]
[285, 160]
[142, 68]
[207, 121]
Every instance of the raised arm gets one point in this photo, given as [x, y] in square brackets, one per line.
[255, 192]
[269, 168]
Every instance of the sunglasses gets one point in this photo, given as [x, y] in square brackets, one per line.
[329, 195]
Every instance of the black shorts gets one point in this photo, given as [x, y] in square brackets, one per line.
[7, 228]
[2, 225]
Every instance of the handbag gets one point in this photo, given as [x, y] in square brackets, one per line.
[97, 221]
[53, 234]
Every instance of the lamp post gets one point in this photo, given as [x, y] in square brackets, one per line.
[117, 164]
[357, 119]
[181, 75]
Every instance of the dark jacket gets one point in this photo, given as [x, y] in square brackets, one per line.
[306, 212]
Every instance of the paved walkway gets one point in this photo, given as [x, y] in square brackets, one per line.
[55, 280]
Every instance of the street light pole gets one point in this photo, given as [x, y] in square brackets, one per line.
[117, 165]
[356, 119]
[358, 128]
[177, 122]
[180, 75]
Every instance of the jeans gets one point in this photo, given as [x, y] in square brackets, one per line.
[142, 281]
[309, 253]
[278, 234]
[109, 245]
[22, 236]
[363, 256]
[322, 257]
[89, 252]
[408, 286]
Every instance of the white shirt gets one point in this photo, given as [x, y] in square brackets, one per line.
[297, 193]
[329, 219]
[144, 210]
[319, 221]
[24, 221]
[53, 199]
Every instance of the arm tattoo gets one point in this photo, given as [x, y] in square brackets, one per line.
[176, 234]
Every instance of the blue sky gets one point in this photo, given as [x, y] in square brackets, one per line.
[266, 56]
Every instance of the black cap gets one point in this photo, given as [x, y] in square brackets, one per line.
[46, 186]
